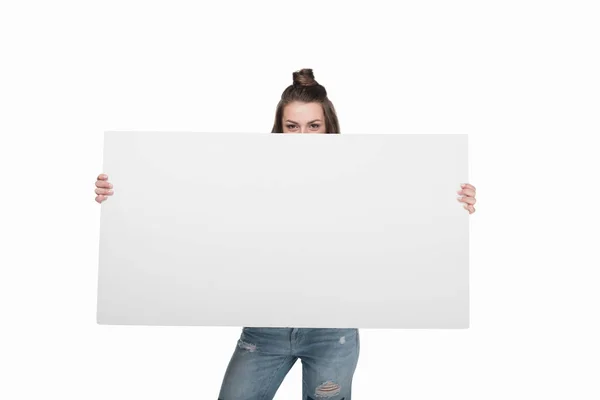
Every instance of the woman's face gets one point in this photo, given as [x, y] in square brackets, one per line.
[303, 118]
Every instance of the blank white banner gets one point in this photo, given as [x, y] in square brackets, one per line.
[284, 230]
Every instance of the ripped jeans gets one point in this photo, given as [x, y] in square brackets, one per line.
[263, 357]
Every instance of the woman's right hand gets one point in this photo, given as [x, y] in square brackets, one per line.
[103, 188]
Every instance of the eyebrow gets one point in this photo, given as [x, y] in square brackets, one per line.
[294, 122]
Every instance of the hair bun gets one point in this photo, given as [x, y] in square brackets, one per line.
[304, 77]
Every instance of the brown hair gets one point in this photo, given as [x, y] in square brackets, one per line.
[305, 89]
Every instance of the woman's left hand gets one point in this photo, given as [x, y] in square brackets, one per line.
[468, 192]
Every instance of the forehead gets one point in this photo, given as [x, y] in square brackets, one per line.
[303, 112]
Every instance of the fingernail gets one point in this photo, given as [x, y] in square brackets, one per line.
[463, 184]
[459, 191]
[110, 185]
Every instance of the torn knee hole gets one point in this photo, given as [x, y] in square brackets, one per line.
[327, 389]
[246, 346]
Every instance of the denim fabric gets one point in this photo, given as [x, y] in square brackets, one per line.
[263, 357]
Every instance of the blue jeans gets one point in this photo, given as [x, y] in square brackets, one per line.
[263, 357]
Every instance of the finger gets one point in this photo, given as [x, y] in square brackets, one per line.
[100, 198]
[102, 177]
[467, 199]
[468, 192]
[104, 192]
[469, 208]
[467, 186]
[104, 184]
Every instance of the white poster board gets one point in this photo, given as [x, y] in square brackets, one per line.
[284, 230]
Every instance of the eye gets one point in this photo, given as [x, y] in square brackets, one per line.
[315, 126]
[291, 126]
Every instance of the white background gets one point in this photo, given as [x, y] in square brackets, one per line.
[520, 77]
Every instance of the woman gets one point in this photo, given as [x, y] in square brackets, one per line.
[263, 356]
